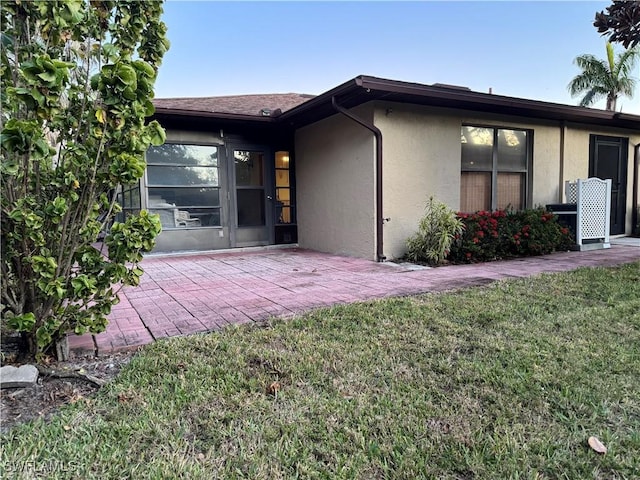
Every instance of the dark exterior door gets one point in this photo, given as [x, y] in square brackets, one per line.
[252, 196]
[608, 159]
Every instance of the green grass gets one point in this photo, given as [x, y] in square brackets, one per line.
[504, 381]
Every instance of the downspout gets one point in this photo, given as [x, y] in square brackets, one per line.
[635, 230]
[563, 129]
[379, 218]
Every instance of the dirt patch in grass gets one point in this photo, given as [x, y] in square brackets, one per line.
[20, 405]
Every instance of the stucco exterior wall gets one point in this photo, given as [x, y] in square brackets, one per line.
[422, 154]
[335, 171]
[577, 141]
[577, 149]
[421, 157]
[576, 164]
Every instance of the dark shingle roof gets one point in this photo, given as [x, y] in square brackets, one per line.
[235, 104]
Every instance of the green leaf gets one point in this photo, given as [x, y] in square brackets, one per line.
[129, 93]
[83, 285]
[49, 77]
[44, 334]
[144, 68]
[10, 167]
[157, 135]
[95, 81]
[127, 75]
[149, 109]
[101, 116]
[109, 51]
[22, 323]
[72, 11]
[6, 41]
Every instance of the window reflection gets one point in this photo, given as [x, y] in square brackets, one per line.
[169, 175]
[183, 185]
[248, 168]
[477, 135]
[494, 168]
[477, 148]
[512, 150]
[176, 154]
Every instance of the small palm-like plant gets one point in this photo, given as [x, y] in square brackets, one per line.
[608, 78]
[436, 232]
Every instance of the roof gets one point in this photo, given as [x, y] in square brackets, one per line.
[298, 110]
[249, 105]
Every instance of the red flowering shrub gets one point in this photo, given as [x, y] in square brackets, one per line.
[503, 234]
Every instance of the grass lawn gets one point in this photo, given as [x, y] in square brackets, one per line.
[503, 381]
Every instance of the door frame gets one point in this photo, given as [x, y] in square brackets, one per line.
[618, 189]
[268, 181]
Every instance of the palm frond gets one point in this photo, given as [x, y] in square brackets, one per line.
[627, 61]
[626, 86]
[587, 80]
[608, 78]
[591, 97]
[589, 63]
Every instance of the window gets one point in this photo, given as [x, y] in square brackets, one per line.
[284, 198]
[495, 167]
[183, 185]
[128, 196]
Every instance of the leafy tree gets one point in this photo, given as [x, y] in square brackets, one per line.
[604, 79]
[621, 22]
[77, 84]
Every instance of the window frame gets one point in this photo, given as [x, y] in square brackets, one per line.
[124, 195]
[218, 187]
[291, 205]
[526, 197]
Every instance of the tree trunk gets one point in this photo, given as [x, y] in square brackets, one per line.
[28, 345]
[611, 103]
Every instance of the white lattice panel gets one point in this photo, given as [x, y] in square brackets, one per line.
[593, 208]
[593, 202]
[571, 192]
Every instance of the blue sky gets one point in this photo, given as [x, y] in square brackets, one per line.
[516, 48]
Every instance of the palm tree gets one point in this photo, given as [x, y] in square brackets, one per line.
[600, 78]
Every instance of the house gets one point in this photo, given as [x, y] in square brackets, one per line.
[349, 171]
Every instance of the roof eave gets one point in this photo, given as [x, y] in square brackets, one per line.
[363, 89]
[500, 104]
[176, 112]
[320, 100]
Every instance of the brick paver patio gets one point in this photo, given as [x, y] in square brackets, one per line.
[182, 295]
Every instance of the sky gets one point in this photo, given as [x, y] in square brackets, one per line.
[521, 49]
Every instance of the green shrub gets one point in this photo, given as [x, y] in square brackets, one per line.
[77, 84]
[501, 234]
[436, 231]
